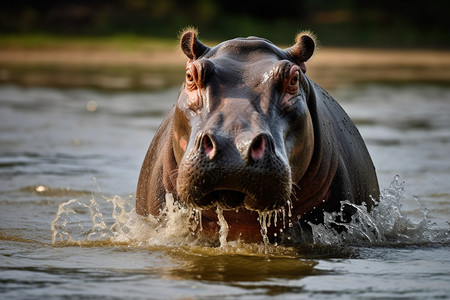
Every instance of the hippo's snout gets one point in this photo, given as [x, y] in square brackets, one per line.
[234, 172]
[251, 150]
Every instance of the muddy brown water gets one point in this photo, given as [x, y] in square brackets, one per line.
[69, 163]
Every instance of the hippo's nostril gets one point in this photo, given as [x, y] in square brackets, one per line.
[257, 147]
[208, 146]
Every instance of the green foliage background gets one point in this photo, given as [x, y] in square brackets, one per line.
[382, 23]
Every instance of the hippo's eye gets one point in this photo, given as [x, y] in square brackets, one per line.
[191, 75]
[291, 80]
[190, 81]
[294, 78]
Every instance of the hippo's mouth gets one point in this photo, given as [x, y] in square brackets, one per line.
[224, 198]
[229, 199]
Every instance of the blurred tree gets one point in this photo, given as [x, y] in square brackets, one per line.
[382, 22]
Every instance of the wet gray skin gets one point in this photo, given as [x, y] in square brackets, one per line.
[250, 132]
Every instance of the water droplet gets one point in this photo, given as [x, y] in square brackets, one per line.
[275, 218]
[263, 224]
[91, 106]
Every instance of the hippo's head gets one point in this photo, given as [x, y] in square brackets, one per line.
[242, 131]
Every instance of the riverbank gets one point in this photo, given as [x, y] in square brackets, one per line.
[148, 64]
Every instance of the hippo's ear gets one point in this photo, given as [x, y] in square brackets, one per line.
[190, 45]
[303, 48]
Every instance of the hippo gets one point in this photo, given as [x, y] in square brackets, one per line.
[251, 133]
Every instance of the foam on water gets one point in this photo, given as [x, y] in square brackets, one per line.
[85, 222]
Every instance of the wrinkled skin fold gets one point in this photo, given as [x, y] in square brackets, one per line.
[250, 132]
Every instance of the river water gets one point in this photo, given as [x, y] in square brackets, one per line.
[69, 164]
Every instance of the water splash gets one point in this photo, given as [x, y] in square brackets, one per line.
[385, 225]
[69, 225]
[100, 220]
[223, 232]
[80, 222]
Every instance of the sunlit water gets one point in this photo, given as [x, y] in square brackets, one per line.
[69, 162]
